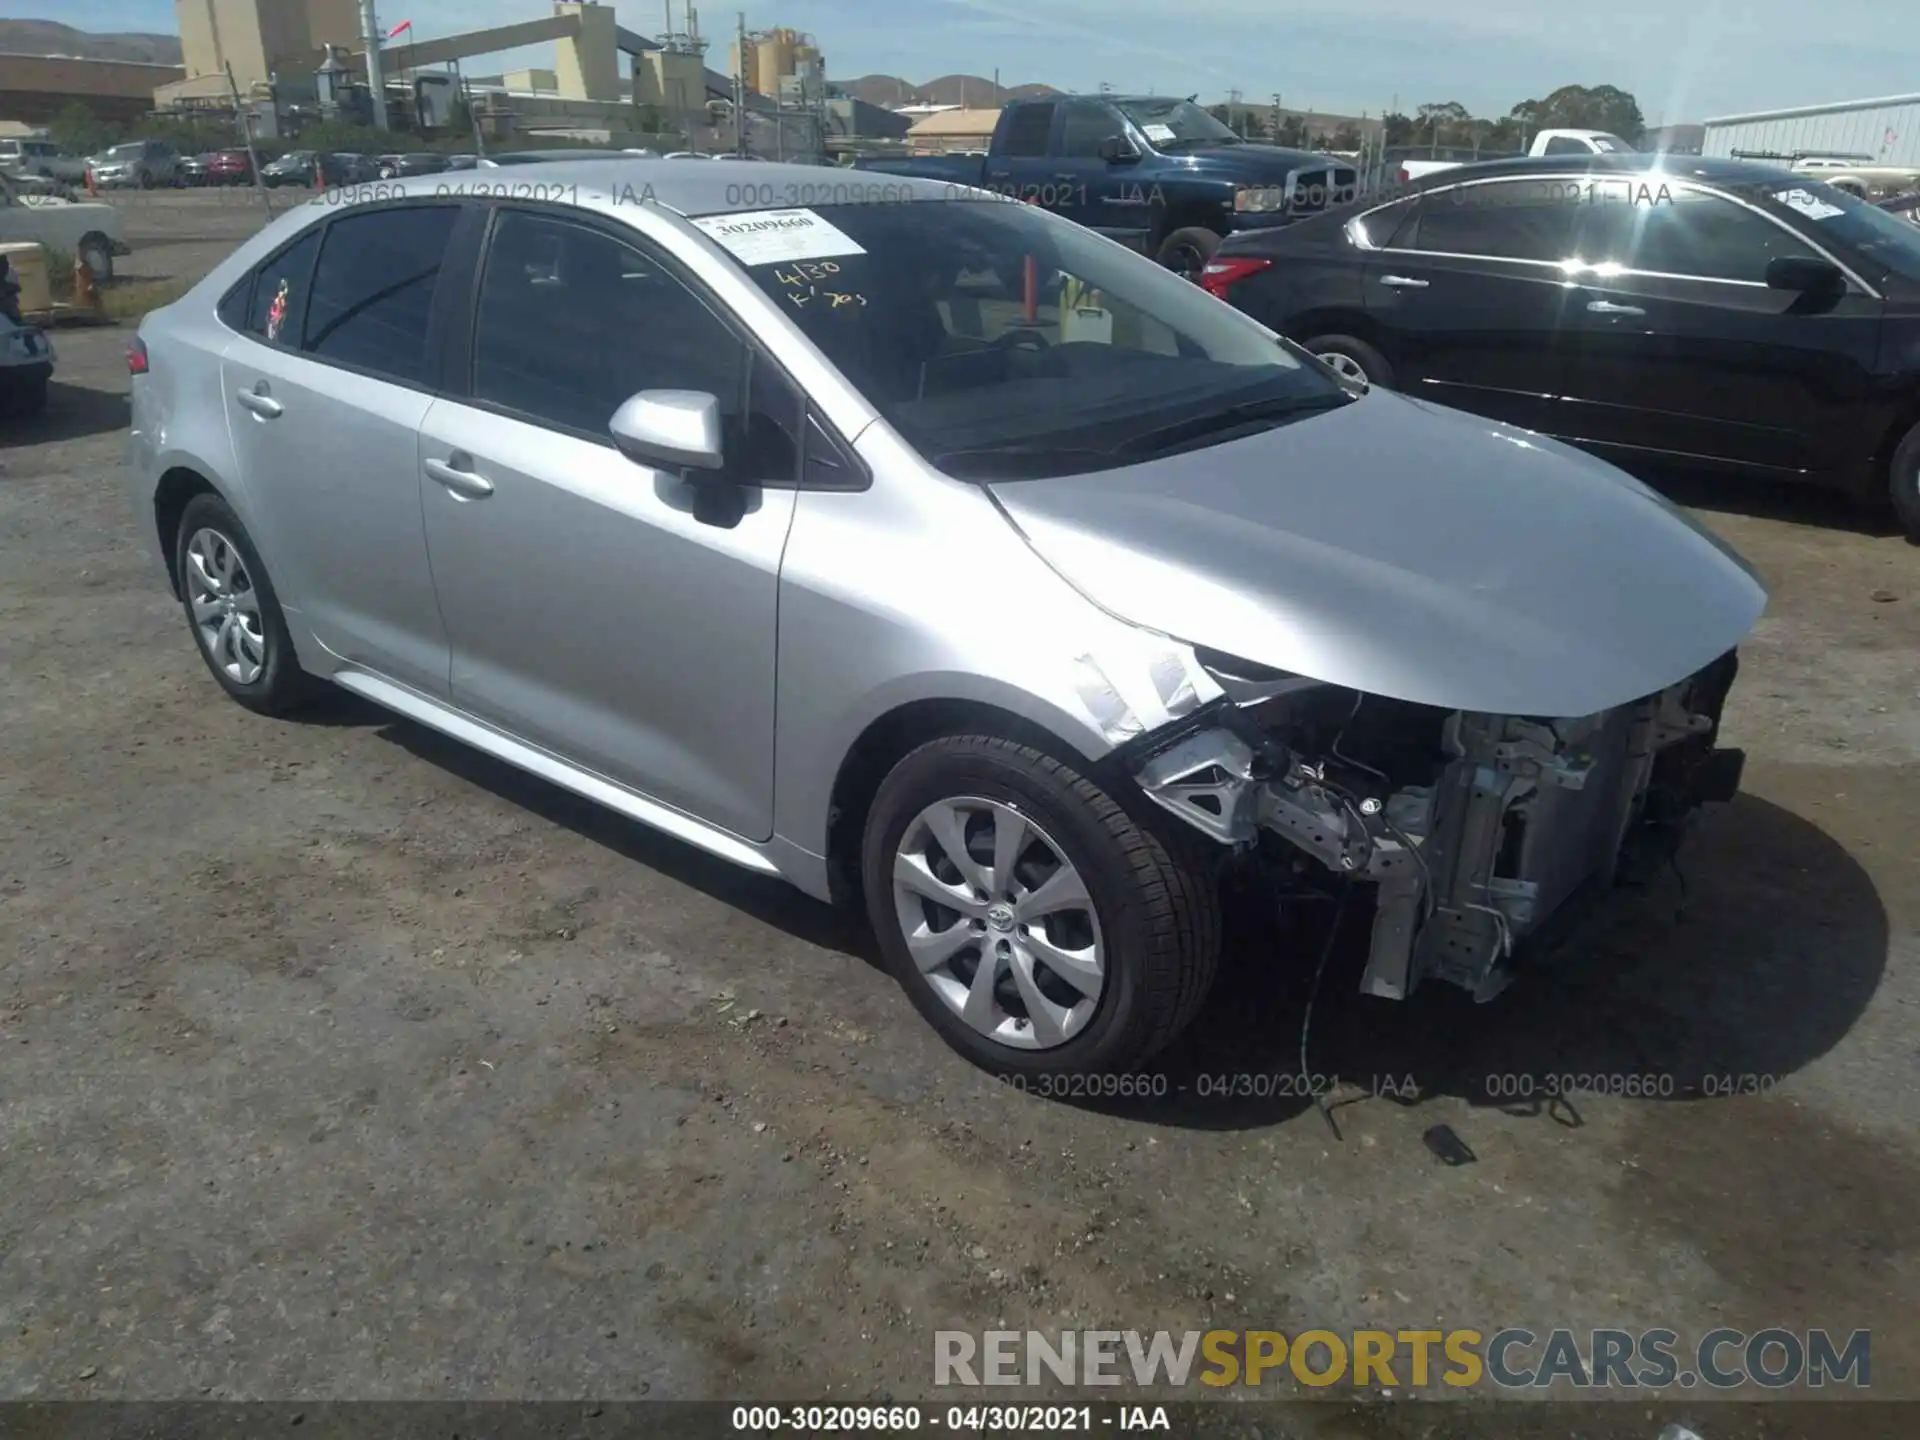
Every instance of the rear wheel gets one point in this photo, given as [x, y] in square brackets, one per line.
[1187, 251]
[1903, 484]
[234, 612]
[1036, 924]
[1353, 359]
[96, 253]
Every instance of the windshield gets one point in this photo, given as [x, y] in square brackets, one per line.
[125, 151]
[1887, 239]
[1176, 122]
[1002, 342]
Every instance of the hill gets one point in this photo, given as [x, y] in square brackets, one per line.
[974, 91]
[50, 37]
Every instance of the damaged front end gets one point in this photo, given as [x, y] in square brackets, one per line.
[1479, 835]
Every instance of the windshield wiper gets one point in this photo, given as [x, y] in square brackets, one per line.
[1008, 462]
[1166, 439]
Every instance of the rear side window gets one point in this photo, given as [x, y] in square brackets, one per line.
[1508, 220]
[1027, 130]
[279, 302]
[373, 290]
[1390, 225]
[1563, 145]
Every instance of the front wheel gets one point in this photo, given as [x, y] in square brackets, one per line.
[1034, 922]
[1352, 359]
[1903, 484]
[1186, 252]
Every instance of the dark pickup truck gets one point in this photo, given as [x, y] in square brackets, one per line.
[1156, 173]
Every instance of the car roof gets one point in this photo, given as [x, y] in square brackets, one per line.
[695, 190]
[1680, 167]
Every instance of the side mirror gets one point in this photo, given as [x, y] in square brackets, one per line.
[1118, 150]
[1806, 274]
[672, 429]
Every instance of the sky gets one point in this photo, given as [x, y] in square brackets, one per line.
[1683, 61]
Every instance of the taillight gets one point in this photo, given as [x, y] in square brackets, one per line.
[1221, 276]
[137, 356]
[1405, 176]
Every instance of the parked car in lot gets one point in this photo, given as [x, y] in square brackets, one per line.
[550, 157]
[313, 169]
[89, 229]
[462, 162]
[1702, 311]
[26, 158]
[942, 555]
[1159, 174]
[227, 167]
[26, 353]
[423, 162]
[1864, 179]
[192, 170]
[137, 164]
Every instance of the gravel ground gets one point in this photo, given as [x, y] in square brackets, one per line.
[337, 1061]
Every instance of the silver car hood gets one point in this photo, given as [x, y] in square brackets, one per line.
[1406, 550]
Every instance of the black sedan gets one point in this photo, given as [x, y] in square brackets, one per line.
[1651, 307]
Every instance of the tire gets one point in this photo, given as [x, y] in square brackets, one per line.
[278, 685]
[1903, 484]
[1354, 358]
[1151, 910]
[1186, 251]
[96, 253]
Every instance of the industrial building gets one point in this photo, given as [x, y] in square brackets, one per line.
[263, 41]
[1884, 131]
[35, 88]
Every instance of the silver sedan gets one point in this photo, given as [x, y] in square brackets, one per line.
[944, 558]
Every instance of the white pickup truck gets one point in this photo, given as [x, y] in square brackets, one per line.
[1547, 142]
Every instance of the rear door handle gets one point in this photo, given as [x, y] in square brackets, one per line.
[1402, 282]
[260, 403]
[469, 484]
[1607, 307]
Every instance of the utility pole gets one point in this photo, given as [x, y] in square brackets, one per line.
[376, 80]
[740, 89]
[1273, 127]
[246, 130]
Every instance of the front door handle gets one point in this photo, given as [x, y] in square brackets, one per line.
[1402, 282]
[1607, 307]
[260, 402]
[469, 484]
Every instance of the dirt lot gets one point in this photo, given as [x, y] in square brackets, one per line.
[337, 1061]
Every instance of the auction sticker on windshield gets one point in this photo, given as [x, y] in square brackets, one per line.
[1159, 134]
[769, 237]
[1808, 204]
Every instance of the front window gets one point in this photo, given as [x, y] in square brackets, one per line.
[1170, 124]
[1649, 224]
[1884, 237]
[1002, 342]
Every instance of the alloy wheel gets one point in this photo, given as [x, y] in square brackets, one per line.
[999, 922]
[1344, 365]
[226, 607]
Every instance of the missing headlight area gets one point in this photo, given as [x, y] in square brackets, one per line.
[1476, 833]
